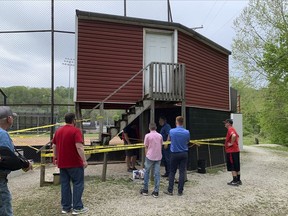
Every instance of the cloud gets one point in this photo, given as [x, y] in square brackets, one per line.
[25, 58]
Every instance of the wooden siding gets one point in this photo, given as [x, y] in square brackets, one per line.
[207, 74]
[108, 54]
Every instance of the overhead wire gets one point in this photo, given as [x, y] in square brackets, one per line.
[204, 22]
[229, 20]
[217, 13]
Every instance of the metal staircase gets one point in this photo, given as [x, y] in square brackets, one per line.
[165, 82]
[131, 114]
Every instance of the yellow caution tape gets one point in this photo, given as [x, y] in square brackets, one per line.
[34, 128]
[104, 149]
[44, 126]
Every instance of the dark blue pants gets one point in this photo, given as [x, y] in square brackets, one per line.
[5, 198]
[69, 199]
[166, 159]
[177, 160]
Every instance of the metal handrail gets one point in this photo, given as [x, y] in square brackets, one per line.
[118, 89]
[175, 94]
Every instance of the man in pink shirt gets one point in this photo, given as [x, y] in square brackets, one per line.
[153, 150]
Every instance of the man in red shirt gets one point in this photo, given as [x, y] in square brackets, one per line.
[232, 153]
[70, 158]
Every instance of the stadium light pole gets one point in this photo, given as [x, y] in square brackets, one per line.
[69, 62]
[52, 69]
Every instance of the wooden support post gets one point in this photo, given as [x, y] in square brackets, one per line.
[101, 125]
[152, 112]
[152, 119]
[101, 121]
[78, 117]
[183, 112]
[104, 169]
[42, 170]
[210, 159]
[142, 127]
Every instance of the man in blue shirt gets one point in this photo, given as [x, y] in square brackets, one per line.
[180, 138]
[6, 121]
[165, 128]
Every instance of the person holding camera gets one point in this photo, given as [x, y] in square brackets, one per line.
[9, 161]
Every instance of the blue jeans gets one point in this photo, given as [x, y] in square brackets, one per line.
[148, 165]
[76, 175]
[166, 159]
[5, 199]
[178, 160]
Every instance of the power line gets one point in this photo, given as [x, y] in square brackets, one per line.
[209, 12]
[213, 19]
[232, 17]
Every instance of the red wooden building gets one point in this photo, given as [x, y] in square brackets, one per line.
[151, 68]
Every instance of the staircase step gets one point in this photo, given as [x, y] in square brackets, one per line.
[105, 138]
[123, 124]
[117, 123]
[125, 116]
[139, 104]
[113, 131]
[131, 110]
[95, 142]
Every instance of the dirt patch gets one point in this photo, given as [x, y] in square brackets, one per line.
[264, 191]
[41, 140]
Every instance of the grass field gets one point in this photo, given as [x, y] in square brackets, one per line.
[250, 140]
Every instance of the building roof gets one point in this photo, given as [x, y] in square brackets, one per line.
[153, 24]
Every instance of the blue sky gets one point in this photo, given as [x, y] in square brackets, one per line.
[25, 58]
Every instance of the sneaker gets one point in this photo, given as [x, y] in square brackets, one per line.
[180, 194]
[239, 182]
[165, 175]
[144, 192]
[80, 211]
[65, 211]
[168, 193]
[177, 182]
[233, 183]
[155, 194]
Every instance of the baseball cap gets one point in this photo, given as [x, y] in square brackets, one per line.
[230, 121]
[5, 111]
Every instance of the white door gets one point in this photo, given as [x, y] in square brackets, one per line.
[158, 48]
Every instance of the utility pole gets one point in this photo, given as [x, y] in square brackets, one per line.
[52, 69]
[125, 8]
[170, 19]
[69, 62]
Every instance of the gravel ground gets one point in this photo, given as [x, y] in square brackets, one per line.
[264, 191]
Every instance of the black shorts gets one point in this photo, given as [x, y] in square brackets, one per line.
[233, 161]
[131, 152]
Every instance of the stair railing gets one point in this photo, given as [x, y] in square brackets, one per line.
[166, 81]
[118, 89]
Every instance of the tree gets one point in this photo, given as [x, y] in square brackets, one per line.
[275, 114]
[252, 103]
[261, 22]
[260, 49]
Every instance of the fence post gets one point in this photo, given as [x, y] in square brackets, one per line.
[151, 74]
[104, 169]
[42, 170]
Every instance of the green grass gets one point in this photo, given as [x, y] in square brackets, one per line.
[250, 140]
